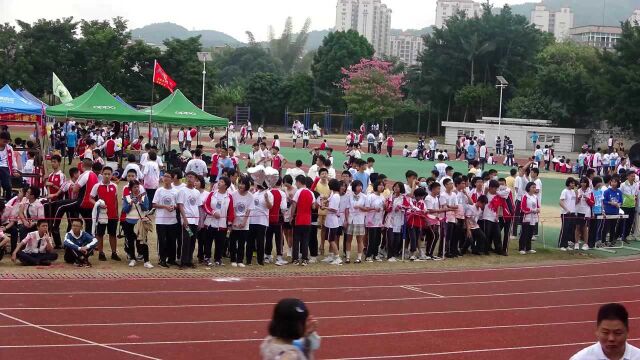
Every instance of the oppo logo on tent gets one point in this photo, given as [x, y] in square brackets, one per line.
[185, 113]
[7, 100]
[104, 107]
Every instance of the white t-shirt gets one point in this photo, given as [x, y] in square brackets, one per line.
[144, 158]
[4, 158]
[594, 352]
[356, 216]
[191, 200]
[375, 218]
[181, 135]
[451, 199]
[333, 218]
[569, 197]
[151, 175]
[489, 214]
[167, 198]
[538, 183]
[198, 166]
[242, 206]
[472, 213]
[582, 207]
[260, 213]
[442, 169]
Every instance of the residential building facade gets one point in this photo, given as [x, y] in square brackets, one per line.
[447, 8]
[370, 18]
[407, 48]
[601, 37]
[556, 22]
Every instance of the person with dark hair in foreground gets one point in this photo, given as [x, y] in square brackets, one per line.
[612, 331]
[292, 333]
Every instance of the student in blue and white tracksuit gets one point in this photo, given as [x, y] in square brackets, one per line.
[79, 245]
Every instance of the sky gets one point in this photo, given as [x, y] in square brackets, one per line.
[233, 17]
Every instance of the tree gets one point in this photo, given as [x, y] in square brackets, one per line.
[8, 47]
[45, 47]
[533, 105]
[371, 91]
[137, 72]
[101, 48]
[477, 98]
[237, 66]
[620, 86]
[181, 62]
[298, 92]
[288, 49]
[262, 94]
[225, 98]
[339, 50]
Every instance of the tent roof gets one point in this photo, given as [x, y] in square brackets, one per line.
[176, 109]
[97, 103]
[29, 96]
[12, 103]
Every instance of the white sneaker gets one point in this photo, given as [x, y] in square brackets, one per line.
[148, 265]
[132, 263]
[234, 264]
[413, 258]
[369, 260]
[328, 259]
[576, 246]
[267, 259]
[337, 261]
[378, 258]
[241, 265]
[392, 259]
[534, 238]
[563, 249]
[424, 257]
[585, 247]
[532, 251]
[313, 260]
[281, 262]
[289, 253]
[522, 252]
[436, 258]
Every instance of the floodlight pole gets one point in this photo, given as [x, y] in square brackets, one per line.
[204, 76]
[501, 86]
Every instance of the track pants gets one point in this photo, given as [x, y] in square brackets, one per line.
[133, 243]
[492, 232]
[627, 224]
[167, 235]
[256, 243]
[237, 245]
[301, 234]
[30, 259]
[274, 230]
[596, 228]
[375, 236]
[568, 229]
[525, 237]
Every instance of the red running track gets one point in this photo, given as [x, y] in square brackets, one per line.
[534, 312]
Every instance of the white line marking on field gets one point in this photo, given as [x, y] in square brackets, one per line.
[411, 288]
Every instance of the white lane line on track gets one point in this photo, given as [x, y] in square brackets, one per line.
[150, 292]
[358, 316]
[365, 274]
[324, 301]
[411, 288]
[84, 341]
[387, 333]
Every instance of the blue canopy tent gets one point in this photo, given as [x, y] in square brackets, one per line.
[124, 102]
[29, 96]
[12, 103]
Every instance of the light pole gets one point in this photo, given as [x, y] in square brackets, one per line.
[204, 57]
[502, 84]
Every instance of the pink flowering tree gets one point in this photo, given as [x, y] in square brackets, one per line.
[371, 90]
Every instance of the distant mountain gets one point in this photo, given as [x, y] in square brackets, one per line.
[157, 33]
[587, 12]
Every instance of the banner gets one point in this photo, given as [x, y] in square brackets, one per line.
[161, 78]
[60, 90]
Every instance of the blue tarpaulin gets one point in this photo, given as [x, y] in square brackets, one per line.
[12, 103]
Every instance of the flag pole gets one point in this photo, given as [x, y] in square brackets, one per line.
[153, 78]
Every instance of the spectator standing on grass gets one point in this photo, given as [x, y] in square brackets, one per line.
[629, 190]
[104, 197]
[189, 201]
[568, 212]
[164, 201]
[530, 209]
[135, 206]
[390, 143]
[612, 330]
[534, 138]
[302, 204]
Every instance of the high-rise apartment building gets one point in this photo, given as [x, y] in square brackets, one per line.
[556, 22]
[447, 8]
[407, 48]
[370, 18]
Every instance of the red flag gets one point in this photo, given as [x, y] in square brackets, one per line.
[161, 78]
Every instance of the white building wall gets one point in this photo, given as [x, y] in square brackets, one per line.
[563, 23]
[540, 18]
[447, 8]
[407, 48]
[346, 15]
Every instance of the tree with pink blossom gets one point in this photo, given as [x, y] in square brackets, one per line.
[371, 90]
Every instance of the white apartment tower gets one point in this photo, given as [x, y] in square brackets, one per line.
[370, 18]
[558, 23]
[407, 48]
[447, 8]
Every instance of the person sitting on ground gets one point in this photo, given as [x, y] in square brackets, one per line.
[79, 245]
[5, 244]
[292, 333]
[612, 330]
[38, 247]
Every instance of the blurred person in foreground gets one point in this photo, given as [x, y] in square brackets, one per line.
[292, 333]
[612, 331]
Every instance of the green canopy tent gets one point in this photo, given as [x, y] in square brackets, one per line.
[97, 103]
[176, 109]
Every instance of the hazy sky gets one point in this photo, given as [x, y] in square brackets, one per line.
[233, 17]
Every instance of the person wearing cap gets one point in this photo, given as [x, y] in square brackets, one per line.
[612, 330]
[292, 333]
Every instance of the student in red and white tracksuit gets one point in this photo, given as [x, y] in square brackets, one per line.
[530, 207]
[107, 192]
[83, 187]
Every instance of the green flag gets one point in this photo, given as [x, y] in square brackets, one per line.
[60, 90]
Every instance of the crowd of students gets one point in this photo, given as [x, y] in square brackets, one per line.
[207, 212]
